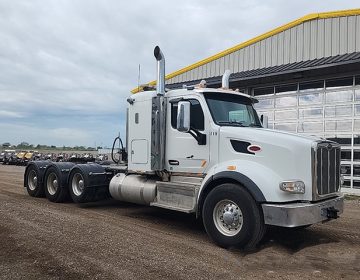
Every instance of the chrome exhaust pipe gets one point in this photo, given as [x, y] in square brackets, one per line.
[225, 79]
[160, 83]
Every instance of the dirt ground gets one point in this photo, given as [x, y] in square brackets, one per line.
[114, 240]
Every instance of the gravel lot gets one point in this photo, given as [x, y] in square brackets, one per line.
[114, 240]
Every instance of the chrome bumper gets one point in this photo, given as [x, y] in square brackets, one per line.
[300, 214]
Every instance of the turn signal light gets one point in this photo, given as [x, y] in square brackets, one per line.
[231, 167]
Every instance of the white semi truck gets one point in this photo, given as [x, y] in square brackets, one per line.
[204, 151]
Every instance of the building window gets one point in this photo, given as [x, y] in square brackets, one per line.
[329, 109]
[356, 170]
[265, 103]
[356, 140]
[345, 169]
[343, 140]
[347, 183]
[286, 88]
[338, 125]
[356, 125]
[263, 91]
[357, 80]
[311, 127]
[285, 115]
[356, 184]
[310, 99]
[286, 126]
[338, 111]
[357, 94]
[308, 113]
[346, 155]
[286, 101]
[311, 86]
[339, 83]
[339, 96]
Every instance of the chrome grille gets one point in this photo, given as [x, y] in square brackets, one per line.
[327, 168]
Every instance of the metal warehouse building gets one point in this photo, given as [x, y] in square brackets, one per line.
[306, 75]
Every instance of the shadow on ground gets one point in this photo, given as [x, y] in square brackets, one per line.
[291, 240]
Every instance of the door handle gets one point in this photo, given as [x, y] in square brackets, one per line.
[173, 162]
[192, 156]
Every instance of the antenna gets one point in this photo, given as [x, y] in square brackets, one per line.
[139, 78]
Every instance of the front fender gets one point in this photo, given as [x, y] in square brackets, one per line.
[261, 181]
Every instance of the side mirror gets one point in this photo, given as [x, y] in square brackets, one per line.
[264, 121]
[183, 116]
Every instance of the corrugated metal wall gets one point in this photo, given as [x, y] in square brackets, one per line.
[309, 40]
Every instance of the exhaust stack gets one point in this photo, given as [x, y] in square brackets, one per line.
[225, 79]
[158, 116]
[160, 83]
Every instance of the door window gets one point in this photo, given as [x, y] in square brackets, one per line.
[196, 115]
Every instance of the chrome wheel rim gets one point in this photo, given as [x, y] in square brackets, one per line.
[77, 184]
[228, 217]
[32, 180]
[52, 183]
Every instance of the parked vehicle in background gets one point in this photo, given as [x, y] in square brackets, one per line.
[9, 157]
[2, 156]
[5, 155]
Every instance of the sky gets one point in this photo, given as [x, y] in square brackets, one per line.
[67, 66]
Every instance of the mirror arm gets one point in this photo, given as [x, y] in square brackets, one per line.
[199, 137]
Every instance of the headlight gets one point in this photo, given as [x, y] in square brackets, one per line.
[293, 186]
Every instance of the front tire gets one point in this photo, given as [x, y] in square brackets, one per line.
[232, 218]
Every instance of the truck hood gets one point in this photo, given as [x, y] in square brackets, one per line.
[267, 135]
[283, 156]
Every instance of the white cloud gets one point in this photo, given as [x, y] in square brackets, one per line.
[10, 114]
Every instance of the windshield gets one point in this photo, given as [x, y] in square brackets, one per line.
[232, 110]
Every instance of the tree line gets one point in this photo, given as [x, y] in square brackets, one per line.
[27, 146]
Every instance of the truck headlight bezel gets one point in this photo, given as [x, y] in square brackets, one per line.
[293, 186]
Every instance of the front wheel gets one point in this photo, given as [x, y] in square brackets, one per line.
[232, 218]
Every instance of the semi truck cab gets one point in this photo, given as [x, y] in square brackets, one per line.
[205, 151]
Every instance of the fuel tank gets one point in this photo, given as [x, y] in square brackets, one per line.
[133, 188]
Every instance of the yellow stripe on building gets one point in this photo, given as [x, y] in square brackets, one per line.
[268, 34]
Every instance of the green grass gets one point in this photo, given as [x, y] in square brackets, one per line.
[352, 197]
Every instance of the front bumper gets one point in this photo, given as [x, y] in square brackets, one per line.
[302, 213]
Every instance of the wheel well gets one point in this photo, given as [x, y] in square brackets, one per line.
[209, 187]
[223, 180]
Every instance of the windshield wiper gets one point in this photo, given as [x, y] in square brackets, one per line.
[231, 123]
[254, 125]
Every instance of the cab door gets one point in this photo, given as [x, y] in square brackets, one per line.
[183, 152]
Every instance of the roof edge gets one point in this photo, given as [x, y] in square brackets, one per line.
[324, 15]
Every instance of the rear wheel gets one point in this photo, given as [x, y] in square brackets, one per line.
[32, 182]
[54, 190]
[78, 187]
[232, 218]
